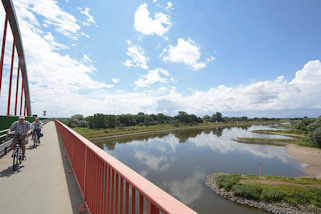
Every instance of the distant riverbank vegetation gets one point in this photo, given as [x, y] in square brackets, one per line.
[311, 129]
[106, 124]
[102, 121]
[304, 132]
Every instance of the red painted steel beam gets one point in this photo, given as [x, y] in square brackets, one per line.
[3, 45]
[17, 87]
[141, 203]
[133, 200]
[117, 190]
[121, 194]
[12, 20]
[25, 108]
[11, 71]
[21, 93]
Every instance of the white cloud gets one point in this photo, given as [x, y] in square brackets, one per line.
[87, 58]
[57, 81]
[153, 76]
[51, 13]
[137, 57]
[188, 189]
[90, 19]
[187, 52]
[169, 6]
[62, 84]
[153, 162]
[115, 80]
[278, 95]
[147, 25]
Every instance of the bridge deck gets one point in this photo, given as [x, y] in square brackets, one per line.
[43, 184]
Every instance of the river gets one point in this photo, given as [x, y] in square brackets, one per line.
[179, 161]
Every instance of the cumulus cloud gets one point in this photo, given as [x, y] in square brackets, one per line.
[51, 13]
[90, 19]
[147, 25]
[63, 85]
[56, 80]
[153, 76]
[279, 94]
[136, 55]
[187, 52]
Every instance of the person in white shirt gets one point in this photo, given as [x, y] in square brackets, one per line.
[21, 128]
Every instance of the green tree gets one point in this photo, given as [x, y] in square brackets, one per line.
[315, 136]
[207, 118]
[219, 116]
[77, 117]
[314, 125]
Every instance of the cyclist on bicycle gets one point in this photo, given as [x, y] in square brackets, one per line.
[22, 129]
[36, 128]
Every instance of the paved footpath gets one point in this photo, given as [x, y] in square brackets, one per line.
[42, 184]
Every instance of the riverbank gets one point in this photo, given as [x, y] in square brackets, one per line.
[99, 134]
[271, 193]
[283, 132]
[266, 141]
[298, 148]
[310, 156]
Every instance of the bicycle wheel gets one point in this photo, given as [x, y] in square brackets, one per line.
[14, 162]
[20, 156]
[34, 142]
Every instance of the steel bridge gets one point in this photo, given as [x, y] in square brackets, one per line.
[66, 173]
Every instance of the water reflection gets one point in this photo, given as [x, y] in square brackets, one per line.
[178, 162]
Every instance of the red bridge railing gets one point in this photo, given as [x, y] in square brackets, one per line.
[109, 186]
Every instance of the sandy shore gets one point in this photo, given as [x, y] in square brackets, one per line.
[308, 155]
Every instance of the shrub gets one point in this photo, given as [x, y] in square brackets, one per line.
[315, 136]
[272, 195]
[316, 124]
[227, 181]
[247, 191]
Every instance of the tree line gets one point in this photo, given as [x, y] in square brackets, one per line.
[100, 121]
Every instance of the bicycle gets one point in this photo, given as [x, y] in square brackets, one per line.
[36, 140]
[16, 157]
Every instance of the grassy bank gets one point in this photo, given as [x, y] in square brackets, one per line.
[273, 189]
[284, 132]
[299, 137]
[266, 141]
[94, 133]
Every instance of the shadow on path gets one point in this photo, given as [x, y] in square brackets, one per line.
[9, 171]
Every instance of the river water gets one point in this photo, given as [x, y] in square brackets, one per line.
[179, 161]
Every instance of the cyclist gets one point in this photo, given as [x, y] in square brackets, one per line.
[22, 129]
[36, 128]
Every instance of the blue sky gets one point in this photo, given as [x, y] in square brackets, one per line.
[258, 58]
